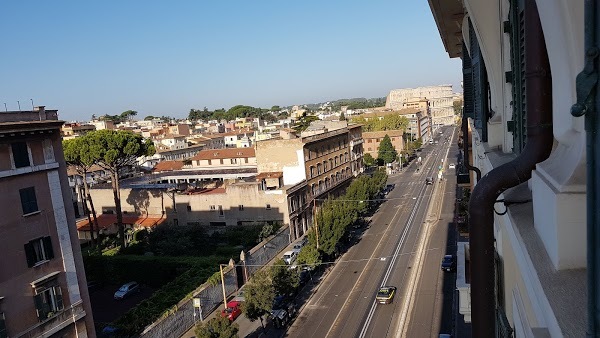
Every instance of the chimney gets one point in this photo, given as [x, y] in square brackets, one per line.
[41, 111]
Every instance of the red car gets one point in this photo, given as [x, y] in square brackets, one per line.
[233, 311]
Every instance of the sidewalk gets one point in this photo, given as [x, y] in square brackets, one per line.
[254, 329]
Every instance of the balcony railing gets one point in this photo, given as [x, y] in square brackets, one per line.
[55, 323]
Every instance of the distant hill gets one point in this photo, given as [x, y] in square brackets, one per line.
[354, 103]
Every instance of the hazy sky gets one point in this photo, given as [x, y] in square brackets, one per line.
[166, 57]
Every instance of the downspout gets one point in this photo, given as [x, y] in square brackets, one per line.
[587, 104]
[465, 132]
[538, 84]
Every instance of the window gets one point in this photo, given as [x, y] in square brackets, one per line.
[268, 207]
[39, 250]
[518, 125]
[234, 161]
[48, 301]
[221, 213]
[241, 207]
[20, 154]
[189, 208]
[28, 200]
[212, 208]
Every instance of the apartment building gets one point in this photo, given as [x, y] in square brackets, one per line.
[440, 99]
[527, 249]
[318, 163]
[43, 289]
[372, 140]
[72, 130]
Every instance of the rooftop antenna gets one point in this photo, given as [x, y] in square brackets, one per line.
[19, 103]
[32, 107]
[5, 109]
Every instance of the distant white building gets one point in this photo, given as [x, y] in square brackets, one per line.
[440, 99]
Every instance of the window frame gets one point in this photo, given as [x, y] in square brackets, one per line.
[51, 295]
[19, 161]
[38, 251]
[28, 206]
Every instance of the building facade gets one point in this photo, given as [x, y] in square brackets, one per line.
[440, 98]
[318, 164]
[43, 289]
[521, 61]
[372, 139]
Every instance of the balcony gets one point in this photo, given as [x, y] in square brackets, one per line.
[55, 323]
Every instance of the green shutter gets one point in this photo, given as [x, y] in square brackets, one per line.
[517, 39]
[30, 254]
[3, 333]
[58, 298]
[48, 247]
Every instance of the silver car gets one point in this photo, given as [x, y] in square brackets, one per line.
[127, 290]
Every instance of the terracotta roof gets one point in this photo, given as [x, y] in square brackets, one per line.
[275, 174]
[210, 154]
[168, 166]
[106, 220]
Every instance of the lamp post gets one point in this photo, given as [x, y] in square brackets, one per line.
[223, 286]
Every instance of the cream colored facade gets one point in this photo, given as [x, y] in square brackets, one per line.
[440, 99]
[234, 203]
[541, 243]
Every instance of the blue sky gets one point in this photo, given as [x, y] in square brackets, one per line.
[166, 57]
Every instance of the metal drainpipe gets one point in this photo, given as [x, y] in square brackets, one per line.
[465, 132]
[538, 82]
[587, 104]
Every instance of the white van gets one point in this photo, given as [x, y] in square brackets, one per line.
[289, 257]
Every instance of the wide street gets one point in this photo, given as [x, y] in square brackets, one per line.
[403, 247]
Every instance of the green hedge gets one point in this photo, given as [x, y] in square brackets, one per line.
[154, 271]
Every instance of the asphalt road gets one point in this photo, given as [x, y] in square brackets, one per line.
[403, 247]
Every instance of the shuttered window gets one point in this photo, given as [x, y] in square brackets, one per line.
[516, 29]
[3, 333]
[479, 90]
[28, 200]
[39, 250]
[20, 154]
[48, 302]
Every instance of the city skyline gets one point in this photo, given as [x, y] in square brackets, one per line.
[165, 59]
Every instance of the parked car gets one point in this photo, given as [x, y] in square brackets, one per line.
[299, 245]
[448, 263]
[127, 290]
[289, 257]
[451, 166]
[386, 294]
[232, 311]
[304, 277]
[429, 180]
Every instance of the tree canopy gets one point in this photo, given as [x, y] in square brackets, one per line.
[259, 295]
[285, 280]
[304, 121]
[387, 122]
[231, 114]
[386, 151]
[114, 150]
[218, 327]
